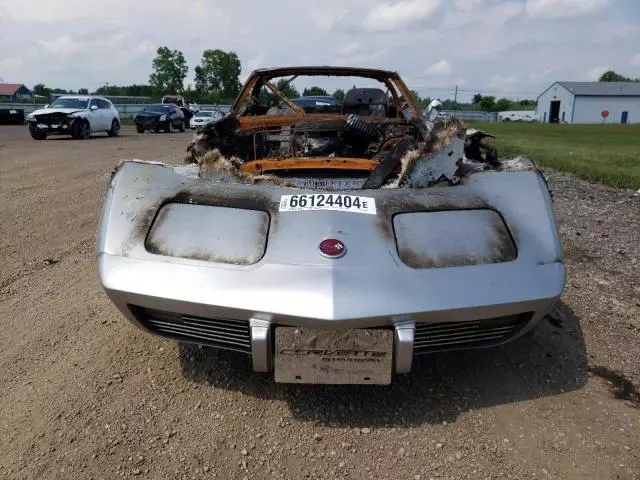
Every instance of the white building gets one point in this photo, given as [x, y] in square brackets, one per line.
[586, 102]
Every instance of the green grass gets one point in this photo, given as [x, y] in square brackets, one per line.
[608, 154]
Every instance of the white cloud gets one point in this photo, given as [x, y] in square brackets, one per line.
[10, 68]
[565, 8]
[494, 44]
[146, 47]
[441, 69]
[635, 61]
[515, 81]
[391, 16]
[494, 16]
[467, 5]
[63, 45]
[595, 73]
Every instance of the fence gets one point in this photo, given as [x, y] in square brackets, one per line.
[129, 110]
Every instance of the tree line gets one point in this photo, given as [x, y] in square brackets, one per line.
[611, 76]
[217, 80]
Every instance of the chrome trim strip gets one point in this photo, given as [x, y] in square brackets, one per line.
[403, 336]
[261, 353]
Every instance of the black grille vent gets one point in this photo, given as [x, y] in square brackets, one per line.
[434, 337]
[219, 333]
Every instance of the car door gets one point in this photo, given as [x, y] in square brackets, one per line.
[175, 115]
[95, 116]
[105, 113]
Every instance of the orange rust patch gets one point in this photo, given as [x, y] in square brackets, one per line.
[306, 163]
[261, 121]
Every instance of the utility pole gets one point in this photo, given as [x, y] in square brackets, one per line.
[455, 98]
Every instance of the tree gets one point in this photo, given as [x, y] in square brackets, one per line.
[611, 76]
[218, 75]
[528, 103]
[287, 89]
[488, 103]
[339, 95]
[83, 91]
[127, 91]
[503, 104]
[477, 98]
[314, 91]
[169, 71]
[40, 89]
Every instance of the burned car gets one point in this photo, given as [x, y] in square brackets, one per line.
[332, 246]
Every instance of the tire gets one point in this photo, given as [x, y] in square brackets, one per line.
[36, 135]
[156, 127]
[139, 129]
[115, 128]
[182, 127]
[169, 127]
[81, 130]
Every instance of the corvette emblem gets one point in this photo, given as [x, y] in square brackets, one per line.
[332, 248]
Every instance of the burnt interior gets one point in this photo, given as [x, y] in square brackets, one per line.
[265, 124]
[369, 134]
[350, 137]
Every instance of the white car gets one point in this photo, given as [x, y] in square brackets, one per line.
[78, 116]
[203, 118]
[517, 116]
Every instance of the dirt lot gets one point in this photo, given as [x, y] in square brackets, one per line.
[84, 394]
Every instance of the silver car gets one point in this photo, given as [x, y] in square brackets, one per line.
[204, 118]
[333, 246]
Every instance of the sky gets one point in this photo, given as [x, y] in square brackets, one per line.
[512, 48]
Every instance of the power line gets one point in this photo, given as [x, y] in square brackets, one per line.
[475, 90]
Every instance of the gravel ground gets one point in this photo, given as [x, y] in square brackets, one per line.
[84, 394]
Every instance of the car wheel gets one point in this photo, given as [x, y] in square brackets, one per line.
[182, 126]
[81, 130]
[37, 134]
[156, 127]
[115, 129]
[169, 127]
[139, 129]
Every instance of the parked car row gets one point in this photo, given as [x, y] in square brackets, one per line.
[167, 116]
[80, 116]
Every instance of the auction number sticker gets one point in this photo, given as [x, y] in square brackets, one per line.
[328, 201]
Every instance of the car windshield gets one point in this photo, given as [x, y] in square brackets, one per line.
[79, 103]
[204, 114]
[158, 108]
[325, 94]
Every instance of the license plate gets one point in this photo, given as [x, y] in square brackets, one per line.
[328, 201]
[356, 356]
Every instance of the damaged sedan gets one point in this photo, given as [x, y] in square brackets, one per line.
[332, 242]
